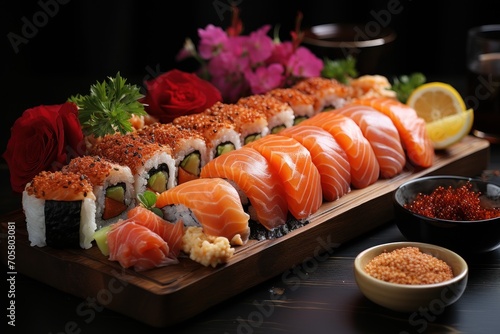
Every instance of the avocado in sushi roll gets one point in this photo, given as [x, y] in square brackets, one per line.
[113, 186]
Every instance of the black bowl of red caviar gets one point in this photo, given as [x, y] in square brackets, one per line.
[459, 213]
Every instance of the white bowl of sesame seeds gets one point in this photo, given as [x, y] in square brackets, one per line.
[411, 276]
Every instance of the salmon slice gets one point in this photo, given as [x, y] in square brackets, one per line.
[250, 172]
[327, 156]
[299, 176]
[171, 233]
[364, 169]
[134, 245]
[213, 203]
[382, 135]
[411, 128]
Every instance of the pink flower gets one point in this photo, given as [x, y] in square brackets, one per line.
[212, 41]
[237, 47]
[232, 87]
[281, 53]
[265, 78]
[226, 71]
[227, 63]
[239, 65]
[260, 46]
[304, 64]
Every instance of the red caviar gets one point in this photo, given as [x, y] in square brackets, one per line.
[462, 204]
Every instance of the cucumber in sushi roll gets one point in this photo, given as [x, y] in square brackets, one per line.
[189, 148]
[220, 135]
[250, 123]
[113, 186]
[304, 106]
[279, 114]
[60, 210]
[330, 93]
[152, 164]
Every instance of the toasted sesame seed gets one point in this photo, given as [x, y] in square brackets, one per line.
[408, 265]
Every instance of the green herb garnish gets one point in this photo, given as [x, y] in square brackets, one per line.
[340, 69]
[404, 85]
[148, 200]
[109, 107]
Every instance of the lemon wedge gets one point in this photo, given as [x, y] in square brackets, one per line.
[451, 129]
[443, 109]
[435, 100]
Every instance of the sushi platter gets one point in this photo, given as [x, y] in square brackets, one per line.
[150, 295]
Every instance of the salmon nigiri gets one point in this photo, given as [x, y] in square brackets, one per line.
[411, 128]
[299, 176]
[260, 187]
[382, 135]
[212, 203]
[135, 245]
[327, 156]
[365, 169]
[171, 233]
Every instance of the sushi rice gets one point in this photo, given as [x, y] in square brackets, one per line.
[155, 161]
[140, 155]
[279, 114]
[183, 142]
[217, 133]
[33, 202]
[104, 174]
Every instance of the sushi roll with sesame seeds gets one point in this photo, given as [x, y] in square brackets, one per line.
[220, 135]
[304, 106]
[60, 210]
[113, 186]
[279, 114]
[189, 148]
[152, 164]
[250, 123]
[330, 93]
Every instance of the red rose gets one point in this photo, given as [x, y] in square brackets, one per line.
[176, 93]
[43, 138]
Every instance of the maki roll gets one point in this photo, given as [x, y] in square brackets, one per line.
[248, 122]
[113, 186]
[152, 164]
[330, 93]
[60, 210]
[220, 135]
[304, 106]
[189, 148]
[279, 114]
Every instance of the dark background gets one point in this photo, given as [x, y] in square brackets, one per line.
[79, 42]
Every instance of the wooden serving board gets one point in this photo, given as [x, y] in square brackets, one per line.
[168, 295]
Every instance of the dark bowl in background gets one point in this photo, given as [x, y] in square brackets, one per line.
[465, 237]
[368, 43]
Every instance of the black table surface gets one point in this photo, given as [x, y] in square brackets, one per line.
[318, 297]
